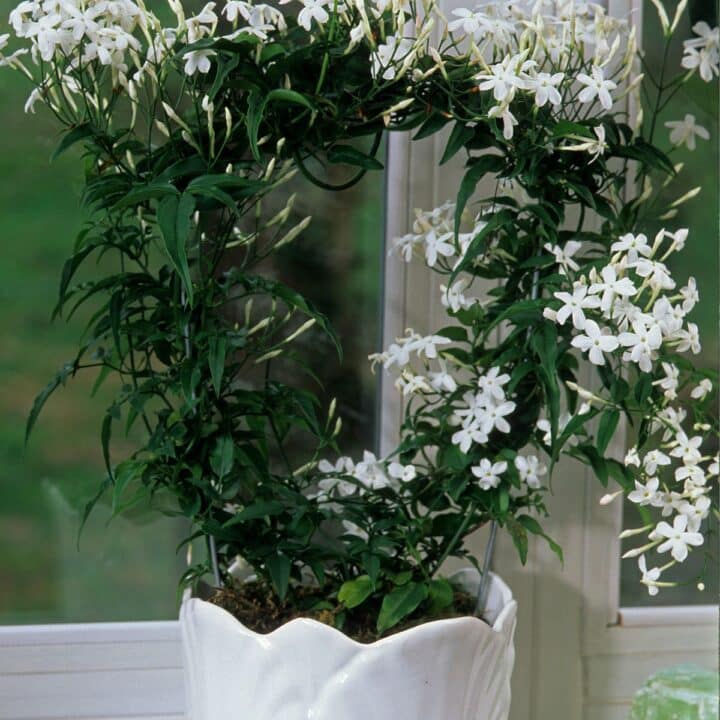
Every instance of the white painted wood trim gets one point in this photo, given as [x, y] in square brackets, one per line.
[87, 633]
[103, 671]
[706, 615]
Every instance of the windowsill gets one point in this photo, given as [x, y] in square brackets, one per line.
[668, 615]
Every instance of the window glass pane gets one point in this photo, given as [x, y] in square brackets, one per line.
[700, 260]
[128, 569]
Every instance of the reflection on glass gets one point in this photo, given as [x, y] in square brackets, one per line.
[127, 569]
[700, 260]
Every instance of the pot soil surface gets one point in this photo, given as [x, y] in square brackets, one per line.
[256, 607]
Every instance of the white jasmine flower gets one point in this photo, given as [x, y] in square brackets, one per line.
[494, 417]
[596, 86]
[669, 383]
[575, 304]
[313, 10]
[370, 472]
[201, 25]
[632, 457]
[657, 274]
[653, 459]
[410, 383]
[703, 52]
[442, 381]
[506, 77]
[491, 383]
[714, 467]
[438, 244]
[543, 425]
[594, 148]
[595, 342]
[428, 345]
[452, 297]
[198, 61]
[611, 287]
[405, 245]
[343, 465]
[649, 577]
[687, 448]
[545, 87]
[643, 342]
[700, 392]
[692, 473]
[684, 132]
[669, 502]
[388, 55]
[633, 246]
[690, 295]
[488, 473]
[678, 239]
[678, 538]
[530, 470]
[469, 434]
[564, 255]
[696, 512]
[645, 494]
[689, 339]
[404, 473]
[469, 21]
[508, 119]
[35, 96]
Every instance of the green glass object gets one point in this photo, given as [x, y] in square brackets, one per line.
[682, 692]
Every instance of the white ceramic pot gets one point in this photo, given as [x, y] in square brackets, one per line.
[456, 669]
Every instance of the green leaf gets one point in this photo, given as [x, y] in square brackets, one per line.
[519, 538]
[105, 435]
[478, 168]
[606, 429]
[440, 594]
[106, 483]
[173, 216]
[355, 592]
[565, 127]
[279, 568]
[69, 269]
[125, 473]
[222, 456]
[216, 361]
[257, 103]
[371, 563]
[256, 511]
[460, 134]
[399, 604]
[348, 155]
[71, 138]
[456, 333]
[42, 397]
[431, 126]
[533, 526]
[153, 191]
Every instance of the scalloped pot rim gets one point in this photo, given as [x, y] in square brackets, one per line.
[502, 625]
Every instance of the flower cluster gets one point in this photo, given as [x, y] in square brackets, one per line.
[702, 53]
[628, 313]
[630, 307]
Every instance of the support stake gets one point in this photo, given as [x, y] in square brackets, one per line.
[212, 550]
[485, 578]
